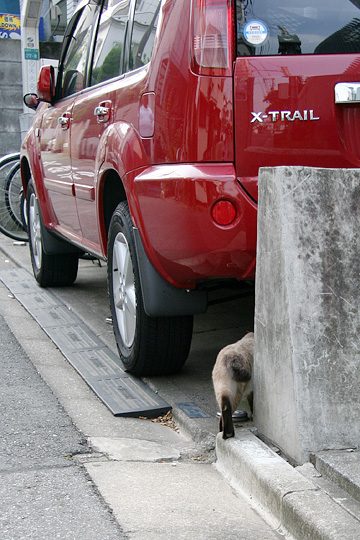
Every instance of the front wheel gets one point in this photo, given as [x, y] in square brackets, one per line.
[147, 345]
[50, 270]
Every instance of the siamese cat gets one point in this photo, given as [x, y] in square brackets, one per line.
[232, 380]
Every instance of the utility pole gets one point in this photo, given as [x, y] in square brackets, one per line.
[30, 54]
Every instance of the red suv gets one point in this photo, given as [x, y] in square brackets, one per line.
[146, 146]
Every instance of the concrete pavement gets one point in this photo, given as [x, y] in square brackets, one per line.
[154, 481]
[152, 477]
[302, 501]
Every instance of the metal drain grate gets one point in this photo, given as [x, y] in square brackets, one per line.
[192, 410]
[101, 369]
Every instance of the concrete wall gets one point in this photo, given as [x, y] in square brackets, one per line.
[10, 96]
[307, 315]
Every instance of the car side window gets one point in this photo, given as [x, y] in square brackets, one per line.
[109, 51]
[73, 68]
[143, 32]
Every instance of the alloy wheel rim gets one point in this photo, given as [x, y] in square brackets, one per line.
[123, 284]
[35, 230]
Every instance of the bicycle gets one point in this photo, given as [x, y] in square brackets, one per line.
[12, 200]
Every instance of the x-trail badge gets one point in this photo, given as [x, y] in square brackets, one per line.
[290, 116]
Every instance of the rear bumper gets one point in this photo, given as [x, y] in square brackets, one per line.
[171, 205]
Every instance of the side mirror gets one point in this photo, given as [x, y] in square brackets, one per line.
[46, 84]
[32, 101]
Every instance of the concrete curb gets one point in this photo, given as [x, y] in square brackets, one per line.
[283, 494]
[342, 468]
[194, 429]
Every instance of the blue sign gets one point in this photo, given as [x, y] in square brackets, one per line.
[9, 26]
[10, 6]
[32, 54]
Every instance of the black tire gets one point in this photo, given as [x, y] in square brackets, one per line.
[14, 195]
[146, 345]
[50, 270]
[11, 198]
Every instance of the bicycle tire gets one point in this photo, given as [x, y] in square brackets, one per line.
[13, 195]
[15, 156]
[8, 226]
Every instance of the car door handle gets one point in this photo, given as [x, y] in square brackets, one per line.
[103, 112]
[347, 93]
[64, 121]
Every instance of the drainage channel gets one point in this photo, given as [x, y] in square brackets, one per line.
[100, 368]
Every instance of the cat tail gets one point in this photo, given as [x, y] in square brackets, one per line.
[226, 421]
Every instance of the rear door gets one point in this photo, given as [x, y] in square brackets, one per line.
[93, 113]
[124, 44]
[289, 106]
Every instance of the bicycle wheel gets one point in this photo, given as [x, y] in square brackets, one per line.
[14, 195]
[11, 198]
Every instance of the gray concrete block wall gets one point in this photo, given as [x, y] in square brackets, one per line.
[10, 95]
[307, 316]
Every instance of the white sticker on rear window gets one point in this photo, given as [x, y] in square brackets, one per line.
[255, 32]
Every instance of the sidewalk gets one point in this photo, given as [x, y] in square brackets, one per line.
[153, 479]
[146, 481]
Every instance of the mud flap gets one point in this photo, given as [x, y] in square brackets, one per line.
[160, 298]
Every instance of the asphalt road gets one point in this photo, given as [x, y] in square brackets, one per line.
[43, 490]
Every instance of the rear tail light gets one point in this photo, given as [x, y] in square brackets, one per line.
[212, 37]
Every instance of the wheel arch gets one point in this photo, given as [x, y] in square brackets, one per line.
[25, 173]
[52, 245]
[120, 151]
[111, 192]
[30, 169]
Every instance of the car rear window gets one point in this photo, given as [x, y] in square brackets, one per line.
[272, 27]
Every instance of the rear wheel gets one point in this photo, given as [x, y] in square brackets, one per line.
[50, 270]
[147, 345]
